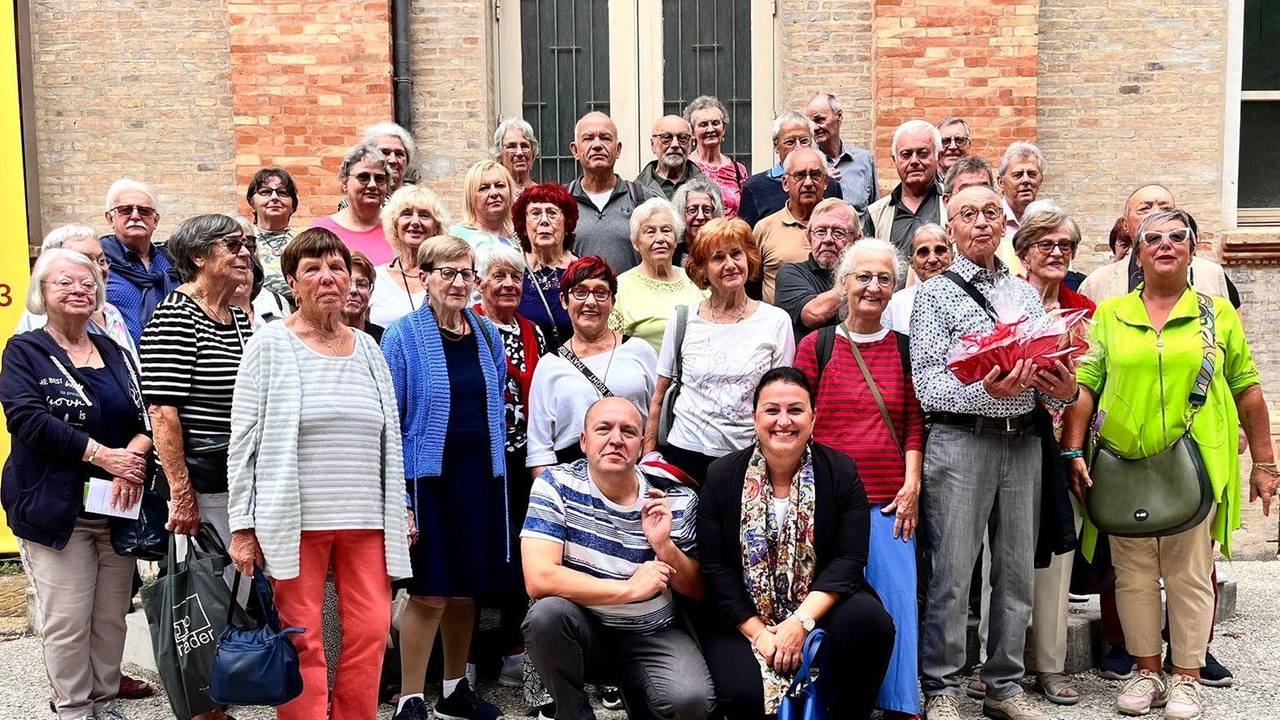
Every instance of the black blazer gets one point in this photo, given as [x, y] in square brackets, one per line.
[841, 530]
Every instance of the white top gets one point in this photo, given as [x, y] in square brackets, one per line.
[559, 395]
[388, 301]
[600, 199]
[897, 314]
[722, 364]
[339, 442]
[781, 505]
[605, 540]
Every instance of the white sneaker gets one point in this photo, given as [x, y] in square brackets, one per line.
[942, 707]
[1185, 699]
[1144, 691]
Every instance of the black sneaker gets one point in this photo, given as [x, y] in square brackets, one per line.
[1213, 674]
[1117, 664]
[546, 712]
[610, 697]
[414, 709]
[465, 704]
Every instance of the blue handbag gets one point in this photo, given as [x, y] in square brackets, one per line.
[809, 697]
[255, 666]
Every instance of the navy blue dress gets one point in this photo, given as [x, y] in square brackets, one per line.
[463, 533]
[542, 291]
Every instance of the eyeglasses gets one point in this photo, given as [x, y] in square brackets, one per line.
[128, 210]
[802, 175]
[666, 138]
[883, 279]
[803, 140]
[1066, 247]
[102, 260]
[364, 178]
[500, 276]
[266, 192]
[923, 153]
[236, 241]
[66, 285]
[362, 285]
[925, 251]
[515, 147]
[696, 210]
[580, 293]
[1177, 237]
[550, 214]
[835, 233]
[449, 274]
[969, 215]
[959, 141]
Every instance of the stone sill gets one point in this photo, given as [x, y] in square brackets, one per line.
[1251, 246]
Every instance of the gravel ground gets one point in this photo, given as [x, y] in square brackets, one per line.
[1249, 645]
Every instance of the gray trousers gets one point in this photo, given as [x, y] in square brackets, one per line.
[972, 480]
[84, 593]
[569, 647]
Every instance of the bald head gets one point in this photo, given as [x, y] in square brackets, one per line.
[805, 180]
[612, 407]
[595, 144]
[1144, 201]
[612, 436]
[671, 142]
[975, 223]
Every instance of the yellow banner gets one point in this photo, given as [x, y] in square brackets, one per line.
[14, 265]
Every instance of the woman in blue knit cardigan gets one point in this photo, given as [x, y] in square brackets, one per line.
[449, 369]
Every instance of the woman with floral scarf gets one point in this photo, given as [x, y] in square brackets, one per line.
[783, 529]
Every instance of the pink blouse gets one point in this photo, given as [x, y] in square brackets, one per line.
[730, 176]
[373, 243]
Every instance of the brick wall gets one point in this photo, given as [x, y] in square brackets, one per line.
[306, 79]
[135, 88]
[826, 47]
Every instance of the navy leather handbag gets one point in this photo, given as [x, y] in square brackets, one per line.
[255, 666]
[809, 697]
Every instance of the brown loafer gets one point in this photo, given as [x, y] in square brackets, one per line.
[134, 689]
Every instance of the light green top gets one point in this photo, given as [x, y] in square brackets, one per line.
[1144, 379]
[645, 305]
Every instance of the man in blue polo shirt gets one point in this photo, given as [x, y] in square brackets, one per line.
[763, 194]
[141, 274]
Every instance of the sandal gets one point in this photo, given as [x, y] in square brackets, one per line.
[1058, 688]
[975, 688]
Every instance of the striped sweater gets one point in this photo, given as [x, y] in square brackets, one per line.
[849, 419]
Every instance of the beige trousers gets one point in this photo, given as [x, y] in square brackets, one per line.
[1049, 611]
[1185, 563]
[83, 592]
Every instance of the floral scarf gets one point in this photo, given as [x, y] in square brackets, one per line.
[778, 562]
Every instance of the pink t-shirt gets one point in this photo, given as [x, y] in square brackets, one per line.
[373, 243]
[730, 177]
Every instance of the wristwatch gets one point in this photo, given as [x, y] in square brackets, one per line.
[806, 621]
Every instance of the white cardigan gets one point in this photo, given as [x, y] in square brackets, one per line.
[262, 467]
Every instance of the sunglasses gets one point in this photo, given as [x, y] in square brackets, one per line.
[377, 178]
[128, 210]
[1177, 237]
[234, 243]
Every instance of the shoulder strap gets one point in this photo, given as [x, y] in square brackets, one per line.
[682, 320]
[637, 193]
[574, 360]
[1200, 391]
[737, 172]
[875, 393]
[972, 292]
[826, 341]
[904, 352]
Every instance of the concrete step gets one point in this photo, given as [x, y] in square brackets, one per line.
[137, 642]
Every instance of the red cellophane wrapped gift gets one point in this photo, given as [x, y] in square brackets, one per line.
[1057, 335]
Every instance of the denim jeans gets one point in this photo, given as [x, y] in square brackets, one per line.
[972, 480]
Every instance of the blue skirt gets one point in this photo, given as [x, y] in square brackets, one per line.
[464, 534]
[891, 570]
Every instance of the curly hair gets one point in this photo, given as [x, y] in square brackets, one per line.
[551, 193]
[720, 234]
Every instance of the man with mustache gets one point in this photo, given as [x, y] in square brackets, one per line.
[853, 167]
[806, 290]
[781, 237]
[141, 273]
[671, 142]
[917, 200]
[1021, 174]
[982, 466]
[605, 548]
[605, 201]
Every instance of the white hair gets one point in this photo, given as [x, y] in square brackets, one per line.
[1041, 206]
[384, 129]
[791, 118]
[124, 184]
[789, 162]
[35, 292]
[647, 209]
[831, 101]
[491, 255]
[60, 236]
[912, 126]
[937, 231]
[861, 248]
[507, 125]
[1020, 150]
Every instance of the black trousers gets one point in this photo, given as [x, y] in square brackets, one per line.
[859, 644]
[692, 462]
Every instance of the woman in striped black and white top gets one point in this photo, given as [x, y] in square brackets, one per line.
[190, 353]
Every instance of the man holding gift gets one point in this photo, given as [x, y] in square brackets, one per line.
[982, 463]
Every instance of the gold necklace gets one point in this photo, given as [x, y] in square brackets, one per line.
[199, 299]
[68, 346]
[319, 333]
[726, 315]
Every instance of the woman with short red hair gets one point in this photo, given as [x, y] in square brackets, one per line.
[595, 362]
[729, 342]
[545, 217]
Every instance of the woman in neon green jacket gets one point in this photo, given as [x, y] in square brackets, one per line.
[1147, 352]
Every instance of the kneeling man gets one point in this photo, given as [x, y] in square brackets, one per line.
[604, 549]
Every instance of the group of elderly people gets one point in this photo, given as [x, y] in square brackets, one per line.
[685, 479]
